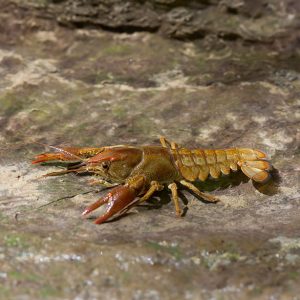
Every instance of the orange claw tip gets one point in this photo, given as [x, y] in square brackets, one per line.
[40, 158]
[85, 212]
[37, 161]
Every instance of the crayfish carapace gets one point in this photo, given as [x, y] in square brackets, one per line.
[139, 171]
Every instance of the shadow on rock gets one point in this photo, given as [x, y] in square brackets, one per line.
[271, 187]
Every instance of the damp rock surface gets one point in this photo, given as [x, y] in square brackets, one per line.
[84, 86]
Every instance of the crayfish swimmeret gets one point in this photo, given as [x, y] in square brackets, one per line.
[139, 171]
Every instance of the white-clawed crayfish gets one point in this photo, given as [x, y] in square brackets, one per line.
[139, 171]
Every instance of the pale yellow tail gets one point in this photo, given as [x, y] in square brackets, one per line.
[257, 170]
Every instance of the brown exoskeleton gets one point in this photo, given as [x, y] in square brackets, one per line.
[139, 171]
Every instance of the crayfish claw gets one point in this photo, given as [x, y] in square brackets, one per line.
[118, 200]
[95, 205]
[42, 158]
[47, 157]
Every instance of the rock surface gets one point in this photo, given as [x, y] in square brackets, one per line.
[239, 19]
[82, 86]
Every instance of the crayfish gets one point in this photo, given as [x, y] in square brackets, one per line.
[139, 171]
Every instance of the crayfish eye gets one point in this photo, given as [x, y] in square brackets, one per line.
[105, 165]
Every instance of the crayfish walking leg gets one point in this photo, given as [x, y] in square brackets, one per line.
[204, 196]
[173, 188]
[155, 186]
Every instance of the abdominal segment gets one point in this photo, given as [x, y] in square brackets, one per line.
[199, 164]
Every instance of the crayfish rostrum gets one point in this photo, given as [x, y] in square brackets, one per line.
[139, 171]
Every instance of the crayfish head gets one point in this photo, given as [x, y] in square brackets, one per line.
[115, 164]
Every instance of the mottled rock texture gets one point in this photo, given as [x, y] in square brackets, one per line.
[209, 74]
[247, 19]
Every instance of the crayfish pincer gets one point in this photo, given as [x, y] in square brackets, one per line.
[139, 171]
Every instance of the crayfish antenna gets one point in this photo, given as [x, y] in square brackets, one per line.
[61, 172]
